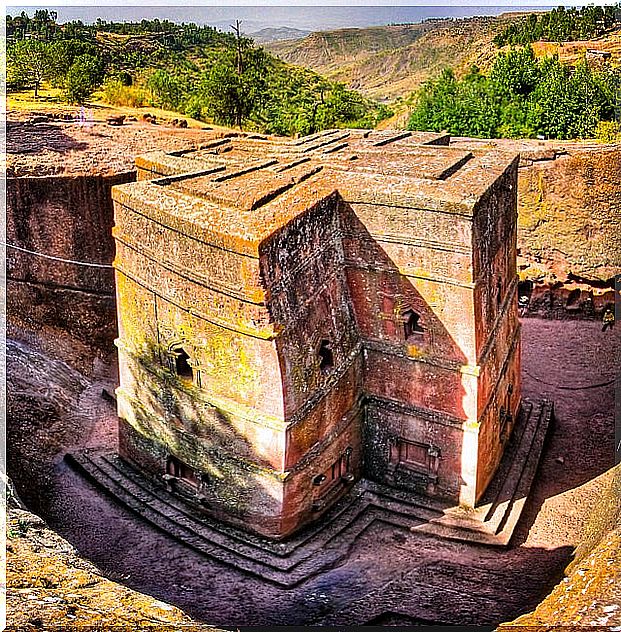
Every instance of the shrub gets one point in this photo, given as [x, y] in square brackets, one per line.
[608, 131]
[85, 74]
[116, 93]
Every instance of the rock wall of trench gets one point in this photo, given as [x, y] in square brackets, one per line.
[63, 308]
[569, 213]
[568, 237]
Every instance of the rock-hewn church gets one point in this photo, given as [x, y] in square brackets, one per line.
[295, 315]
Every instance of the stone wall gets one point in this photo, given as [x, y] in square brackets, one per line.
[56, 305]
[569, 209]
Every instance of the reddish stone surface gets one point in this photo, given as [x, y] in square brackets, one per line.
[294, 315]
[59, 175]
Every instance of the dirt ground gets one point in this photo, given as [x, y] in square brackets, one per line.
[390, 576]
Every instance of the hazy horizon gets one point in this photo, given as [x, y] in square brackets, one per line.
[255, 18]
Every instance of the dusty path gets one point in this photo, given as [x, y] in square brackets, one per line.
[391, 576]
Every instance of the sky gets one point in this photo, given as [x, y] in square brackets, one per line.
[256, 17]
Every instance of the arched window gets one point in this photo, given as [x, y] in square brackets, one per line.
[411, 324]
[326, 356]
[182, 365]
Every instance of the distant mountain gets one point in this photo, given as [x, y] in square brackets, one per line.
[278, 34]
[387, 62]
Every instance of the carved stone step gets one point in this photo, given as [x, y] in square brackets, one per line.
[325, 543]
[494, 522]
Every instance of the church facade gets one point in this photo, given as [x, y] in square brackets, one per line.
[295, 315]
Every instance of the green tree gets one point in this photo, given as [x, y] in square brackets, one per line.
[63, 53]
[30, 62]
[169, 90]
[236, 84]
[516, 72]
[435, 104]
[85, 74]
[568, 104]
[470, 107]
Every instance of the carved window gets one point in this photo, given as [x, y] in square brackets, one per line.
[182, 365]
[182, 471]
[420, 457]
[411, 324]
[340, 467]
[331, 483]
[326, 356]
[573, 299]
[338, 470]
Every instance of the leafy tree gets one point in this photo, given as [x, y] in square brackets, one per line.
[514, 122]
[516, 72]
[85, 74]
[29, 63]
[63, 53]
[463, 108]
[435, 106]
[568, 105]
[521, 97]
[169, 90]
[236, 84]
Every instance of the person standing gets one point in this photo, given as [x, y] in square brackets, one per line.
[608, 320]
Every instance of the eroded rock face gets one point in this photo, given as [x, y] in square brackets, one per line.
[59, 206]
[569, 213]
[50, 585]
[569, 207]
[590, 594]
[49, 300]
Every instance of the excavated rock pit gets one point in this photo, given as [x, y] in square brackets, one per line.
[389, 575]
[61, 360]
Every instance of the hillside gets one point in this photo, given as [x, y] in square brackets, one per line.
[195, 71]
[387, 62]
[572, 52]
[277, 34]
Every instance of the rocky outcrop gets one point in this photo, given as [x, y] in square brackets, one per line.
[53, 222]
[59, 228]
[569, 209]
[590, 593]
[569, 212]
[50, 585]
